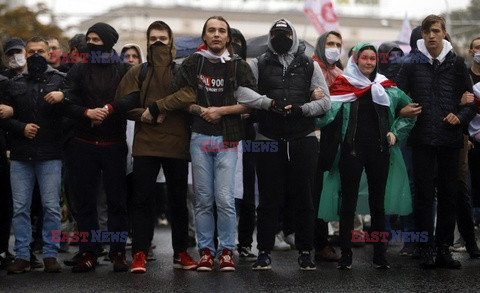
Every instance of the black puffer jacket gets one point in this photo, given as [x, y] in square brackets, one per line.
[26, 96]
[439, 93]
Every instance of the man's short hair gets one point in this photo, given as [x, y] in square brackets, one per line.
[430, 20]
[471, 43]
[78, 42]
[37, 39]
[161, 26]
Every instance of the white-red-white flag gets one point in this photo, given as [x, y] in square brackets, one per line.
[322, 15]
[406, 31]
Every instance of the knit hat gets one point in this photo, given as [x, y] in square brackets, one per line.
[106, 32]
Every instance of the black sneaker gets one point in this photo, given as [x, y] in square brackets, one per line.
[473, 250]
[408, 249]
[71, 262]
[305, 261]
[444, 259]
[263, 262]
[6, 258]
[345, 262]
[245, 253]
[380, 262]
[86, 263]
[426, 257]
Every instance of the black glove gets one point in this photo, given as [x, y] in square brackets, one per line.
[295, 111]
[279, 107]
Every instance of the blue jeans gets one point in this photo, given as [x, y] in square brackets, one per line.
[23, 176]
[213, 182]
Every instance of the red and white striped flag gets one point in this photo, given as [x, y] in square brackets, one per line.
[322, 15]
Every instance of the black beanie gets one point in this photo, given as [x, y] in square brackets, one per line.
[106, 32]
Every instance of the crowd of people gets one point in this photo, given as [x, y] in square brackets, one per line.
[84, 142]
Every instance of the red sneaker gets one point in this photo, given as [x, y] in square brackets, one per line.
[184, 261]
[226, 261]
[139, 263]
[206, 261]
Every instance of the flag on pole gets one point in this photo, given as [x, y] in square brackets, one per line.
[322, 15]
[405, 31]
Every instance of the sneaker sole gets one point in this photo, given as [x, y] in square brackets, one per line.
[204, 269]
[259, 268]
[344, 268]
[382, 267]
[227, 269]
[138, 270]
[308, 269]
[247, 258]
[26, 270]
[186, 268]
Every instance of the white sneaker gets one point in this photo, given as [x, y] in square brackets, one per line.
[280, 244]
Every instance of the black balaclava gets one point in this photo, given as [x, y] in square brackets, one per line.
[36, 65]
[108, 35]
[241, 51]
[414, 37]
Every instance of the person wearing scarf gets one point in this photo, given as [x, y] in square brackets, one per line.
[368, 102]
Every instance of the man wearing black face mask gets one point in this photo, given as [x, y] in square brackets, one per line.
[288, 77]
[98, 148]
[35, 154]
[155, 146]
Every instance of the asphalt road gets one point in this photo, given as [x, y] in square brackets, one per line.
[404, 276]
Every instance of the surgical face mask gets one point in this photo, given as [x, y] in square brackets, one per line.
[476, 57]
[332, 55]
[17, 61]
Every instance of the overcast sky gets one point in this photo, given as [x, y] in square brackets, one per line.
[70, 11]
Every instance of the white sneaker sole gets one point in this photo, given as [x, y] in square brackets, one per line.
[138, 270]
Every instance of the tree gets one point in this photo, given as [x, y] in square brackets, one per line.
[24, 23]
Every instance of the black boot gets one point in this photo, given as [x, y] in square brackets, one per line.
[426, 257]
[445, 260]
[379, 259]
[473, 250]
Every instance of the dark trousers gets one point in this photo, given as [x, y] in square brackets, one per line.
[287, 173]
[320, 238]
[246, 205]
[465, 222]
[376, 164]
[89, 164]
[474, 158]
[5, 200]
[424, 160]
[145, 171]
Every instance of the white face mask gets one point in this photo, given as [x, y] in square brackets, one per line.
[17, 61]
[332, 55]
[476, 57]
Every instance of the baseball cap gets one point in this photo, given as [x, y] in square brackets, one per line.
[13, 44]
[281, 24]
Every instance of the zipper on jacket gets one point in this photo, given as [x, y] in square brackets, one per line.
[379, 127]
[353, 151]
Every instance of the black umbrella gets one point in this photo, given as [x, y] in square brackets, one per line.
[258, 45]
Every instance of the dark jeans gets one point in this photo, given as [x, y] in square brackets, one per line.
[424, 160]
[88, 164]
[145, 171]
[376, 164]
[246, 205]
[289, 172]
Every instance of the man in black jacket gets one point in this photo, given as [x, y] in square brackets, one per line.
[436, 79]
[98, 148]
[35, 154]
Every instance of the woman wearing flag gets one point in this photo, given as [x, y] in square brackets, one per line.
[368, 104]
